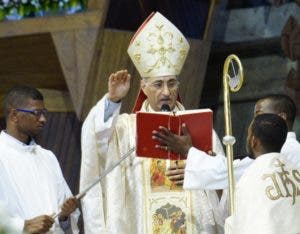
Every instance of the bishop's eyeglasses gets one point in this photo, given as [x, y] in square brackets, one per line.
[159, 85]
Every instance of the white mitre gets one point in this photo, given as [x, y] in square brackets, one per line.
[158, 48]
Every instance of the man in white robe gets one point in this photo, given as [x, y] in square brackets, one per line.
[32, 187]
[203, 171]
[126, 200]
[267, 195]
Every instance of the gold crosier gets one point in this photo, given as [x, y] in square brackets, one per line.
[230, 84]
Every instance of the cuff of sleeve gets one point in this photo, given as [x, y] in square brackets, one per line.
[110, 108]
[110, 104]
[194, 157]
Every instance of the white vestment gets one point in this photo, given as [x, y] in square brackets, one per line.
[125, 202]
[31, 183]
[205, 172]
[6, 226]
[267, 198]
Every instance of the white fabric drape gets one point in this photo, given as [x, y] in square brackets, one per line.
[267, 198]
[205, 172]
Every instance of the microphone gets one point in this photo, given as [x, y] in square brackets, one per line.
[165, 107]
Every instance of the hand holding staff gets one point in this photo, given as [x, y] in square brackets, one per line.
[96, 181]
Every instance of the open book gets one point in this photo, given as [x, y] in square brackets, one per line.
[199, 124]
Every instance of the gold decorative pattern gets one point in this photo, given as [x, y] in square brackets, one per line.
[159, 49]
[285, 183]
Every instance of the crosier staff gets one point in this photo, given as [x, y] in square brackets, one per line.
[230, 84]
[97, 180]
[80, 195]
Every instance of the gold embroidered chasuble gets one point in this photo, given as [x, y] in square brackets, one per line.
[135, 197]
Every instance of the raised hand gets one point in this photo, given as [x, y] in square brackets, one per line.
[68, 207]
[169, 141]
[40, 224]
[118, 85]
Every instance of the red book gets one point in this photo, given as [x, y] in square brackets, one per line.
[199, 124]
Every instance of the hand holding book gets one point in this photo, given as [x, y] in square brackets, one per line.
[179, 144]
[169, 135]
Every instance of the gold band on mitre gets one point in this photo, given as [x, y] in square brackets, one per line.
[158, 48]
